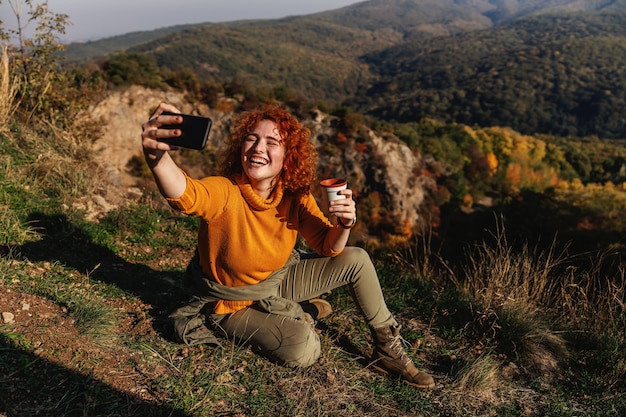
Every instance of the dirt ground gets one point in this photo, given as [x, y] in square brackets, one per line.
[53, 335]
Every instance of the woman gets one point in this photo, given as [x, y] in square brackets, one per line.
[250, 282]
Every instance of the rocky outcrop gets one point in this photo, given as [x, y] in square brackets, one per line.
[121, 115]
[371, 163]
[374, 163]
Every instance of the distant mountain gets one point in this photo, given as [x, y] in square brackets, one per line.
[461, 60]
[80, 51]
[501, 11]
[404, 18]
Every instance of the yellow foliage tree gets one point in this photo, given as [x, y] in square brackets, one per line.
[492, 161]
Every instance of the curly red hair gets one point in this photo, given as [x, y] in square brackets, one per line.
[300, 164]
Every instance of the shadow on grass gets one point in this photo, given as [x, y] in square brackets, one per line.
[62, 241]
[32, 386]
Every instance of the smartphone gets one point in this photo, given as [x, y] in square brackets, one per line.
[195, 131]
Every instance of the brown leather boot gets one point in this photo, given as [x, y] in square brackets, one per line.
[317, 308]
[390, 359]
[324, 309]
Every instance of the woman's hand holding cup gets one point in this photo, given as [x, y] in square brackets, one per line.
[340, 202]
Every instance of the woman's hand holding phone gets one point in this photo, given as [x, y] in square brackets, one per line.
[152, 134]
[167, 126]
[194, 131]
[169, 178]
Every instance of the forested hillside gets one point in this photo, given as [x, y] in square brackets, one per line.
[412, 18]
[561, 74]
[317, 61]
[85, 51]
[558, 74]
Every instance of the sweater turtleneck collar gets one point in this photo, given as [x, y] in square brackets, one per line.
[254, 200]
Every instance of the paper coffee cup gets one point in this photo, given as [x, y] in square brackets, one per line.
[333, 186]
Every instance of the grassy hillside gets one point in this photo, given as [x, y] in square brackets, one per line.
[514, 331]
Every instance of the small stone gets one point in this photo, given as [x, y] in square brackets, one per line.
[7, 317]
[330, 377]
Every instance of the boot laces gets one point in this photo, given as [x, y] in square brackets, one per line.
[397, 344]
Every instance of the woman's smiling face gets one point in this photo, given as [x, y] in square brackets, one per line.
[262, 157]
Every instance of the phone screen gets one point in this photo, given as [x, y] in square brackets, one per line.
[195, 131]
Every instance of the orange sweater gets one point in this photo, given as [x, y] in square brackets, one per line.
[243, 238]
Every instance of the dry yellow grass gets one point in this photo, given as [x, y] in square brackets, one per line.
[9, 86]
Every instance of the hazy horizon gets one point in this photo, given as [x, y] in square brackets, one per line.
[97, 20]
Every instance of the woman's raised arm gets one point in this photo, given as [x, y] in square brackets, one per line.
[168, 176]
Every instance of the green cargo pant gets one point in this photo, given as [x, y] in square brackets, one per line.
[294, 342]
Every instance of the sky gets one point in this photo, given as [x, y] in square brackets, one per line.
[96, 19]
